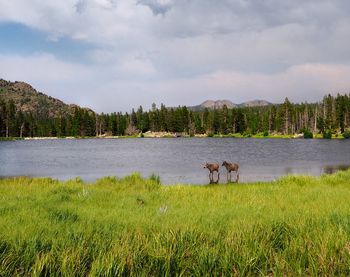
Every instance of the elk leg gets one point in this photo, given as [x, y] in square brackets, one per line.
[218, 176]
[237, 176]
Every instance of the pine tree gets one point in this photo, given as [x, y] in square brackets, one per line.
[286, 115]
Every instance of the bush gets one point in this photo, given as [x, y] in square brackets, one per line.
[346, 134]
[327, 134]
[266, 133]
[308, 134]
[210, 135]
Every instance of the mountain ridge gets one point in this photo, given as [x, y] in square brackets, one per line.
[219, 104]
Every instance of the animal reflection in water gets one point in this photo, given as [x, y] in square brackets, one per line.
[212, 168]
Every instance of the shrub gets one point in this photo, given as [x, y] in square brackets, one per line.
[210, 135]
[327, 134]
[131, 130]
[308, 134]
[346, 134]
[266, 133]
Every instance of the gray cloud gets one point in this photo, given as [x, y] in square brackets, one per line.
[157, 6]
[80, 6]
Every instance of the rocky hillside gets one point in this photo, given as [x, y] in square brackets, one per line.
[27, 99]
[218, 104]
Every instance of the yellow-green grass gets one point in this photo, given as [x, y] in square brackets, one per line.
[134, 226]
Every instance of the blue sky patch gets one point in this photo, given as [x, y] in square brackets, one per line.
[22, 40]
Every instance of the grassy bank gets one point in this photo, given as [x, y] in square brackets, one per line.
[295, 226]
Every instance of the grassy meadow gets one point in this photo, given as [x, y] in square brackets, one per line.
[135, 226]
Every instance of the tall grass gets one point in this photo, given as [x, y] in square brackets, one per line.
[135, 226]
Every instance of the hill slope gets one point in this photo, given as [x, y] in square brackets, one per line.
[27, 99]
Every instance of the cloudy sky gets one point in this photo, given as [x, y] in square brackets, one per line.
[113, 55]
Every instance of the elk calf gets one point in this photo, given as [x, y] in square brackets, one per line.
[212, 167]
[231, 167]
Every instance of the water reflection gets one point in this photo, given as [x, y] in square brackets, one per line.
[330, 169]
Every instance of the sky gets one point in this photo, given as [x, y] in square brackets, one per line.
[115, 55]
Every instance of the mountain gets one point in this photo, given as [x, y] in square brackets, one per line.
[255, 103]
[27, 99]
[218, 104]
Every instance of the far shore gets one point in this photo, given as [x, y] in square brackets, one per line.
[179, 135]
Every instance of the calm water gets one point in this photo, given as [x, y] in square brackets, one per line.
[174, 160]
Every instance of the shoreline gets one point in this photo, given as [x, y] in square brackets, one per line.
[149, 134]
[337, 169]
[173, 135]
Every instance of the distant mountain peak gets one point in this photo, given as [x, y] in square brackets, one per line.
[219, 104]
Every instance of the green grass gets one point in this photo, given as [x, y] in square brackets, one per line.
[295, 226]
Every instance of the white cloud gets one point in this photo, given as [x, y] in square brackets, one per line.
[106, 89]
[306, 82]
[138, 65]
[41, 68]
[183, 52]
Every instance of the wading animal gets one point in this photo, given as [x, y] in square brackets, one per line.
[231, 167]
[212, 167]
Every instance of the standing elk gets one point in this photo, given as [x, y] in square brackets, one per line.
[231, 167]
[212, 167]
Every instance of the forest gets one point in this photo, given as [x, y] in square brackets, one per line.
[327, 117]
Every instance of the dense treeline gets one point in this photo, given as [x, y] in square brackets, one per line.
[331, 115]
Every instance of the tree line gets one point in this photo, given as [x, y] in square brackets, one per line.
[331, 115]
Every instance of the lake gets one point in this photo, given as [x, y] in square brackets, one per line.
[175, 160]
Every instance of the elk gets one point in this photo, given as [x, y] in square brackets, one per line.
[231, 167]
[212, 167]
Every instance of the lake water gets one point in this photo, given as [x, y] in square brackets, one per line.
[175, 160]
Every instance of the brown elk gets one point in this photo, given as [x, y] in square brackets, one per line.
[231, 167]
[212, 167]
